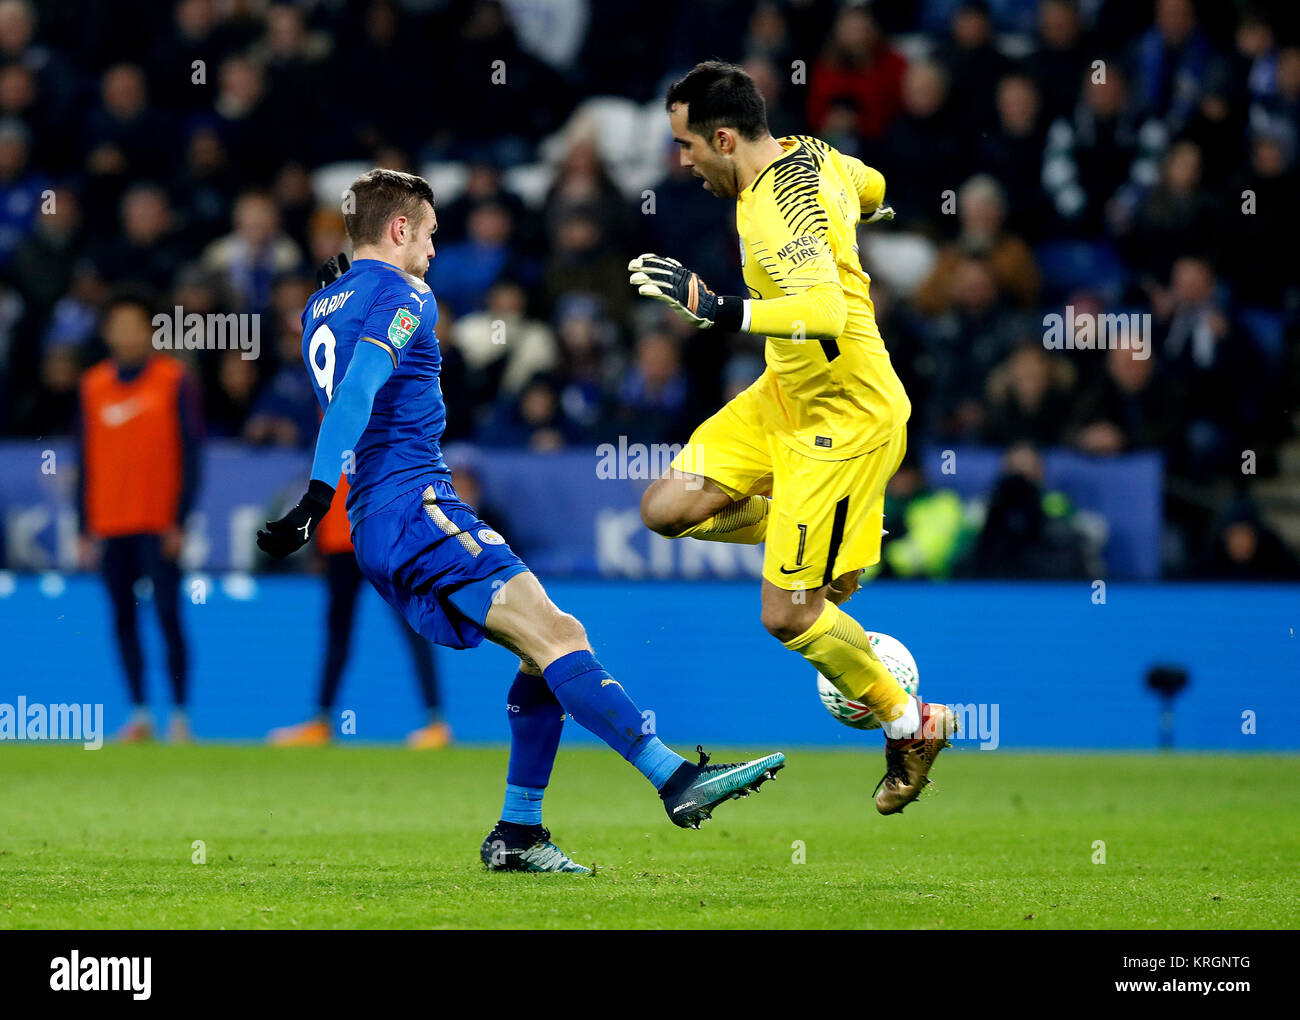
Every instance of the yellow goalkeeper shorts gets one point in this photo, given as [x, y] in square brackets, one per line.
[826, 516]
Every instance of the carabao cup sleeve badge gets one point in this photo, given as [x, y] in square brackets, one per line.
[402, 327]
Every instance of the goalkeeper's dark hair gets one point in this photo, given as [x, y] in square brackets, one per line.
[378, 197]
[717, 95]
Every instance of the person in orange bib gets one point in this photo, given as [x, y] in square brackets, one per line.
[140, 436]
[343, 576]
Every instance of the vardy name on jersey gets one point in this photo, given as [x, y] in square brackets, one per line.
[399, 449]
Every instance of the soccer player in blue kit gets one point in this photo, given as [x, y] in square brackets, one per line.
[369, 345]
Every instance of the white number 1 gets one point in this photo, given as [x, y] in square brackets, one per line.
[323, 339]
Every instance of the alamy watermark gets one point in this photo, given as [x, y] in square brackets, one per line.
[644, 461]
[25, 721]
[1088, 331]
[215, 331]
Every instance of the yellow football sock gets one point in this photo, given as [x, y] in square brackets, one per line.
[837, 645]
[743, 522]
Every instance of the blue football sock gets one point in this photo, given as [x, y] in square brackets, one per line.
[523, 805]
[536, 719]
[657, 762]
[598, 702]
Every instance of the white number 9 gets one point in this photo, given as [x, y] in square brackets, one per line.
[323, 339]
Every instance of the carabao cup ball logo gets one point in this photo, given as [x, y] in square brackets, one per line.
[896, 658]
[489, 537]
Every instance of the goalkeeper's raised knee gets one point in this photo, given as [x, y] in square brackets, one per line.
[743, 521]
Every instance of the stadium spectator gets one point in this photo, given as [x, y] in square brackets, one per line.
[581, 262]
[1010, 152]
[149, 248]
[43, 264]
[124, 136]
[464, 272]
[858, 65]
[590, 357]
[583, 188]
[1262, 216]
[56, 83]
[1028, 531]
[1256, 53]
[248, 259]
[1061, 57]
[974, 64]
[286, 412]
[503, 348]
[193, 35]
[244, 120]
[653, 395]
[535, 419]
[930, 532]
[75, 318]
[964, 344]
[490, 123]
[783, 116]
[205, 186]
[485, 185]
[1218, 127]
[1177, 217]
[925, 152]
[1029, 398]
[1169, 62]
[1245, 549]
[51, 409]
[1133, 406]
[1199, 341]
[1094, 152]
[22, 189]
[981, 211]
[293, 59]
[229, 400]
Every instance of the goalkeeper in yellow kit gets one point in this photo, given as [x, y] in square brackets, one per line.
[825, 426]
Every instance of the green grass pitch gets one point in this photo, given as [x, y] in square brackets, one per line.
[377, 837]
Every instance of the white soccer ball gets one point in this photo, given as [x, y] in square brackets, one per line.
[897, 659]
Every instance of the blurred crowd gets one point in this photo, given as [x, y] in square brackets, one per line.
[1105, 155]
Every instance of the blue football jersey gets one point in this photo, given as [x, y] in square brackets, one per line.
[399, 449]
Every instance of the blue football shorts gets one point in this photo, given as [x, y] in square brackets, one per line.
[436, 562]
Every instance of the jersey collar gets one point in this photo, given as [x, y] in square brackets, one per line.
[381, 264]
[794, 146]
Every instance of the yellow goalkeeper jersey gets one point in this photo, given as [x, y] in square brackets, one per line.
[832, 390]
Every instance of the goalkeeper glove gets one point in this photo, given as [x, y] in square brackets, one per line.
[331, 269]
[667, 280]
[883, 212]
[292, 531]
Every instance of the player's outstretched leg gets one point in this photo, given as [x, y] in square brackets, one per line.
[835, 643]
[524, 618]
[519, 841]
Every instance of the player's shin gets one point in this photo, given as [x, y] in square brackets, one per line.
[536, 719]
[743, 522]
[837, 645]
[598, 702]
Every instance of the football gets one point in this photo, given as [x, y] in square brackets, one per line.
[897, 659]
